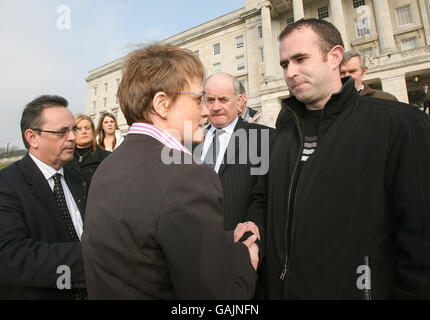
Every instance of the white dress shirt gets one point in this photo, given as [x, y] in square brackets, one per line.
[224, 139]
[48, 173]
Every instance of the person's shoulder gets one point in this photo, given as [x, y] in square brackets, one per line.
[188, 170]
[253, 125]
[382, 95]
[10, 171]
[102, 152]
[390, 110]
[385, 105]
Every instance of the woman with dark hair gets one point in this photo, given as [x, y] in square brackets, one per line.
[108, 134]
[88, 155]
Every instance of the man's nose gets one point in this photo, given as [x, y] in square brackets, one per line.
[291, 71]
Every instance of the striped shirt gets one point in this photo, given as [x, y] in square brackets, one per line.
[311, 123]
[157, 133]
[309, 147]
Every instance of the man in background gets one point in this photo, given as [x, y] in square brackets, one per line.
[249, 114]
[353, 65]
[230, 144]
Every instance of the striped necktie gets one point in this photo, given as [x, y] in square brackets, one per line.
[213, 151]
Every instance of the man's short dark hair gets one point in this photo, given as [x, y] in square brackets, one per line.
[328, 34]
[32, 114]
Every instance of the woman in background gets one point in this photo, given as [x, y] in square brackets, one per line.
[108, 134]
[88, 155]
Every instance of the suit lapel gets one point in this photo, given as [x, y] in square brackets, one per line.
[42, 192]
[230, 154]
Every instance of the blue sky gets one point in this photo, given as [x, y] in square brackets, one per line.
[38, 58]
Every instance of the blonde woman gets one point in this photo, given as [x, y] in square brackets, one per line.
[88, 155]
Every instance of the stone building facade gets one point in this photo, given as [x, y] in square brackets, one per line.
[394, 35]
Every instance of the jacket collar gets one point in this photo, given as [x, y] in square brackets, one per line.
[336, 104]
[366, 90]
[41, 191]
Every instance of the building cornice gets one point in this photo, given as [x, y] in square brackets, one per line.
[211, 27]
[108, 68]
[400, 60]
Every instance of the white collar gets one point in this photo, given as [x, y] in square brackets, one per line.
[228, 129]
[47, 170]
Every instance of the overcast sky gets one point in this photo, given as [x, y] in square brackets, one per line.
[37, 57]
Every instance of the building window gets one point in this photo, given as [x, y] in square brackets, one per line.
[217, 67]
[95, 91]
[197, 53]
[106, 86]
[409, 44]
[116, 100]
[358, 3]
[367, 52]
[104, 103]
[323, 12]
[94, 105]
[362, 26]
[404, 15]
[262, 54]
[117, 83]
[115, 113]
[290, 20]
[240, 62]
[260, 32]
[217, 49]
[239, 42]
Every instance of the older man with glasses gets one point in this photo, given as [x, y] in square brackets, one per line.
[41, 209]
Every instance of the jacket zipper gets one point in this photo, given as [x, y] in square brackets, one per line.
[285, 268]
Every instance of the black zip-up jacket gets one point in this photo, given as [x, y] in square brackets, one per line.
[360, 226]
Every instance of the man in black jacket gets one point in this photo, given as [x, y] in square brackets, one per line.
[347, 195]
[41, 209]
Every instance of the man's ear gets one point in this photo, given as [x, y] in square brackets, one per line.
[335, 56]
[31, 138]
[160, 104]
[364, 71]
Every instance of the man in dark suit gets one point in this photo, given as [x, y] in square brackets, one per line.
[41, 209]
[241, 149]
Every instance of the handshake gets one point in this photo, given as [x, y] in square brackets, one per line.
[240, 231]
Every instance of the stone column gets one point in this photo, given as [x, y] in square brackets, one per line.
[298, 10]
[269, 61]
[396, 86]
[385, 29]
[339, 20]
[425, 19]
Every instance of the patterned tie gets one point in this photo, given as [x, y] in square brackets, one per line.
[213, 151]
[62, 206]
[80, 292]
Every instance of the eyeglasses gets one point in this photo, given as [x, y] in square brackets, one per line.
[199, 94]
[61, 133]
